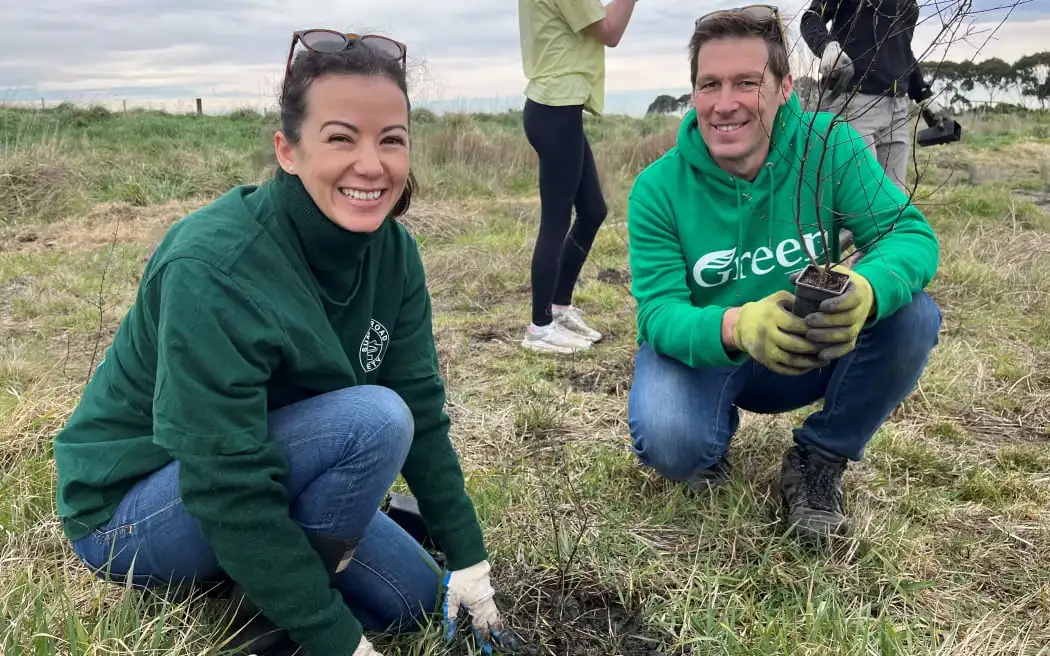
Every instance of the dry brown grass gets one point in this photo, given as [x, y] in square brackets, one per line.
[36, 180]
[593, 554]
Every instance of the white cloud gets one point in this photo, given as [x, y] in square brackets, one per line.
[114, 49]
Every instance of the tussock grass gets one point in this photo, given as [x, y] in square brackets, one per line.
[592, 554]
[38, 181]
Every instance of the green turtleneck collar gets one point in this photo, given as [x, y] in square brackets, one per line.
[328, 247]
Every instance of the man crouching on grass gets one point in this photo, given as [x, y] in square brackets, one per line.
[714, 250]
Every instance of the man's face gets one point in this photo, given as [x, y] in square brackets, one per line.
[736, 98]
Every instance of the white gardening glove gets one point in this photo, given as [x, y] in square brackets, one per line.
[364, 648]
[834, 59]
[472, 589]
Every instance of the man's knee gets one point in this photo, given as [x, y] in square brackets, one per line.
[667, 434]
[920, 319]
[673, 448]
[911, 332]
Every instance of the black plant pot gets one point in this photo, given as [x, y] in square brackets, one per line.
[815, 285]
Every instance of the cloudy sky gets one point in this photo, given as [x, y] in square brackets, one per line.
[154, 52]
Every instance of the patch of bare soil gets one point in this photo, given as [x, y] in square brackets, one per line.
[612, 377]
[614, 277]
[1040, 199]
[494, 333]
[8, 292]
[577, 619]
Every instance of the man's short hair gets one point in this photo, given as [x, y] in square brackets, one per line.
[739, 24]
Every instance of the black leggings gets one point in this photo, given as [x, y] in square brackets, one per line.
[568, 178]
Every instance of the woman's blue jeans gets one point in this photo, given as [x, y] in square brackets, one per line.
[344, 450]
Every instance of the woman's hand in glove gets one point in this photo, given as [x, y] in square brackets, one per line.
[364, 648]
[472, 589]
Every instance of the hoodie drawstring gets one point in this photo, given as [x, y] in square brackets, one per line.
[739, 224]
[772, 206]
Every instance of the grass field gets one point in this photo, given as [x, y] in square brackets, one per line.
[592, 554]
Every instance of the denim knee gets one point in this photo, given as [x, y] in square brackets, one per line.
[672, 430]
[377, 415]
[672, 447]
[910, 333]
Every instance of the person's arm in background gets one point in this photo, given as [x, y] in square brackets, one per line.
[605, 23]
[814, 25]
[918, 89]
[902, 252]
[667, 319]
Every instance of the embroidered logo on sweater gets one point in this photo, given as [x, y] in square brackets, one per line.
[373, 346]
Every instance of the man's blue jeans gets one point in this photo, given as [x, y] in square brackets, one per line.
[344, 450]
[682, 419]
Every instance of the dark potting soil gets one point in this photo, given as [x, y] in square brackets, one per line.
[832, 281]
[582, 621]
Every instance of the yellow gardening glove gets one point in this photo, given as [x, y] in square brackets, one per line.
[768, 332]
[836, 325]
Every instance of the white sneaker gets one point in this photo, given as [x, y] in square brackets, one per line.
[554, 338]
[572, 320]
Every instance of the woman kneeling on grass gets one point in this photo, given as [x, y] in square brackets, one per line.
[276, 372]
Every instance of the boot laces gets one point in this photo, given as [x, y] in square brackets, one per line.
[822, 481]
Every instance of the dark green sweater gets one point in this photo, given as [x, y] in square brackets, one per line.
[254, 302]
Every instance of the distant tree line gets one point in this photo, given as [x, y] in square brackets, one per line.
[1027, 80]
[665, 104]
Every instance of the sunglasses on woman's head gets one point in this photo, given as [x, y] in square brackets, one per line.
[322, 40]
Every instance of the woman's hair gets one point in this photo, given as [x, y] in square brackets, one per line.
[360, 60]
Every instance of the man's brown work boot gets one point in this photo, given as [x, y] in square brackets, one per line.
[811, 489]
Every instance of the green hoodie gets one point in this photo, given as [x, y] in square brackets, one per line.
[255, 302]
[702, 240]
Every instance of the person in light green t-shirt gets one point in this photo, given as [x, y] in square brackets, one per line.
[563, 56]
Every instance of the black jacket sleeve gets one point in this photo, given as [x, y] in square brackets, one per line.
[814, 24]
[918, 89]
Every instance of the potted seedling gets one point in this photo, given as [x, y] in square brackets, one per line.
[816, 284]
[818, 281]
